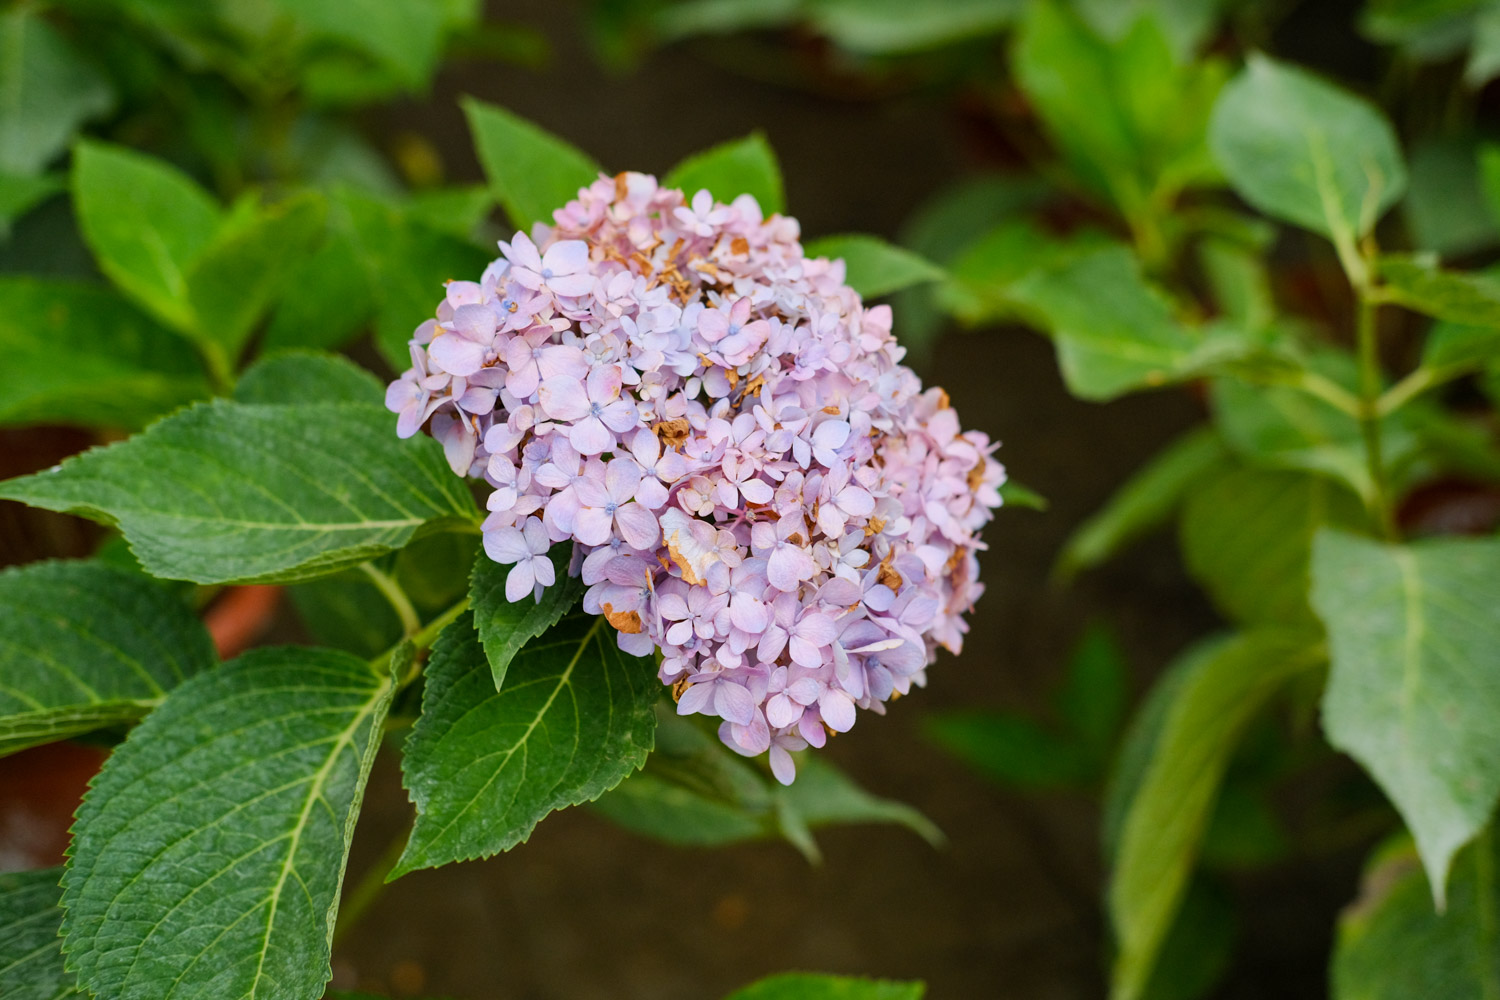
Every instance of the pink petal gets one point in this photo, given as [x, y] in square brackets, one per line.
[590, 436]
[782, 765]
[563, 398]
[566, 257]
[592, 526]
[695, 699]
[571, 285]
[637, 526]
[458, 355]
[837, 709]
[520, 581]
[734, 703]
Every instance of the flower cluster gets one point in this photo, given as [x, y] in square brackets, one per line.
[754, 484]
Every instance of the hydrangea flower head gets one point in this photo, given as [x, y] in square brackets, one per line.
[752, 482]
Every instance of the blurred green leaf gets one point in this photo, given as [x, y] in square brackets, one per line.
[47, 90]
[122, 370]
[1145, 501]
[808, 986]
[1452, 345]
[1445, 206]
[730, 169]
[1424, 30]
[1244, 831]
[1484, 55]
[1115, 333]
[1095, 691]
[1393, 946]
[1228, 683]
[1307, 152]
[1185, 23]
[1198, 949]
[1137, 750]
[147, 223]
[1239, 282]
[20, 194]
[1413, 631]
[823, 795]
[532, 173]
[1416, 281]
[346, 611]
[1014, 750]
[1247, 536]
[457, 211]
[983, 277]
[405, 36]
[888, 27]
[335, 294]
[875, 268]
[297, 377]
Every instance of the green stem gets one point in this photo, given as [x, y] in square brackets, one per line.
[369, 888]
[1328, 391]
[428, 634]
[411, 623]
[1369, 417]
[1413, 385]
[220, 372]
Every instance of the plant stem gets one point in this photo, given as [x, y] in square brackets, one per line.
[369, 888]
[420, 640]
[1369, 418]
[411, 623]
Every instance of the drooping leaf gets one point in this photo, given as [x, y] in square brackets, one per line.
[1013, 750]
[1413, 632]
[85, 646]
[146, 222]
[1247, 537]
[810, 986]
[296, 378]
[76, 353]
[227, 492]
[504, 626]
[1228, 682]
[209, 851]
[1114, 332]
[1393, 945]
[1307, 152]
[233, 281]
[483, 767]
[531, 172]
[822, 795]
[1145, 501]
[31, 959]
[730, 169]
[47, 90]
[1415, 281]
[875, 268]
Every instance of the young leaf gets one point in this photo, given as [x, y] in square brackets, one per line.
[1114, 332]
[47, 90]
[740, 166]
[484, 767]
[209, 851]
[1412, 632]
[873, 267]
[1145, 501]
[235, 278]
[146, 222]
[809, 986]
[1013, 494]
[122, 370]
[1247, 537]
[88, 646]
[228, 492]
[1393, 946]
[31, 959]
[504, 626]
[1306, 152]
[296, 378]
[532, 172]
[1415, 281]
[1220, 693]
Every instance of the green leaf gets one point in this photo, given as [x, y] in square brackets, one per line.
[235, 278]
[457, 211]
[1415, 281]
[1095, 690]
[296, 378]
[740, 166]
[1186, 23]
[1198, 948]
[87, 646]
[823, 795]
[1392, 946]
[1240, 283]
[505, 627]
[1413, 631]
[1228, 682]
[146, 222]
[1445, 206]
[1307, 152]
[346, 611]
[1115, 333]
[810, 986]
[47, 90]
[31, 959]
[484, 767]
[209, 851]
[1484, 56]
[1146, 500]
[404, 36]
[20, 194]
[1247, 536]
[333, 298]
[1013, 494]
[875, 268]
[892, 27]
[122, 370]
[1452, 346]
[531, 172]
[1013, 750]
[228, 492]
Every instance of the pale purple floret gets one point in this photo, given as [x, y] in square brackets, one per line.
[753, 483]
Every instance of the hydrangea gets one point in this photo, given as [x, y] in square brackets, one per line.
[753, 483]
